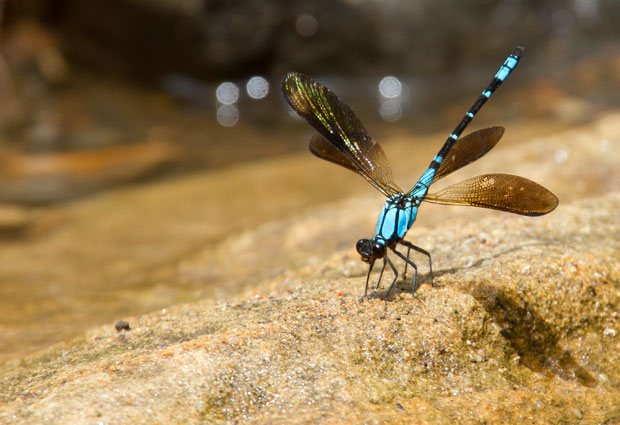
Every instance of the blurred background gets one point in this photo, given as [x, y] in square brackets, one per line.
[205, 75]
[100, 99]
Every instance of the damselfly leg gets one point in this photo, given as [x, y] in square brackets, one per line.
[411, 246]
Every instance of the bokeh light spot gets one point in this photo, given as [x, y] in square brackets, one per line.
[306, 25]
[391, 110]
[561, 155]
[390, 87]
[227, 93]
[257, 87]
[227, 115]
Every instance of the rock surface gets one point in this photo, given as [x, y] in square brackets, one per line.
[522, 326]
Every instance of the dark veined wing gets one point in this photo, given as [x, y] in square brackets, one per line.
[341, 129]
[468, 149]
[324, 149]
[502, 192]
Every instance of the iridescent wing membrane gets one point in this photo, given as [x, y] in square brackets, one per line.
[503, 192]
[344, 140]
[468, 149]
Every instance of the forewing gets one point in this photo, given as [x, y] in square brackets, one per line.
[468, 149]
[502, 192]
[337, 123]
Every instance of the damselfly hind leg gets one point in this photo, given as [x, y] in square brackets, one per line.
[415, 273]
[410, 246]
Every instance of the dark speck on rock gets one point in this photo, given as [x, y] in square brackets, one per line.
[121, 325]
[504, 333]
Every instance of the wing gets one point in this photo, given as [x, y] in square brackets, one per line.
[341, 129]
[502, 192]
[323, 148]
[468, 149]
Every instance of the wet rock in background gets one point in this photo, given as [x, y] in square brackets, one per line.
[73, 81]
[213, 40]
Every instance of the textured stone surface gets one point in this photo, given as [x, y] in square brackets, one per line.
[522, 326]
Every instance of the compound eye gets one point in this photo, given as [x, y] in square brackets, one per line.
[378, 250]
[364, 247]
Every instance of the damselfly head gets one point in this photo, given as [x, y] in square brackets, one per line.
[370, 250]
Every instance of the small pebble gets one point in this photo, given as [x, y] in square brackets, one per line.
[122, 326]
